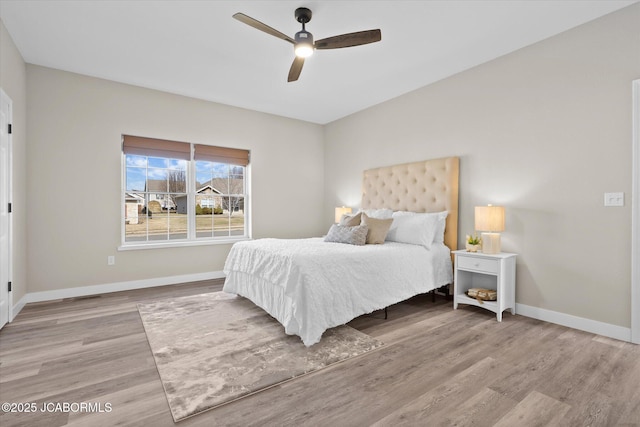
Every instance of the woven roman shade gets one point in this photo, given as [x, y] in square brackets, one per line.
[153, 147]
[232, 156]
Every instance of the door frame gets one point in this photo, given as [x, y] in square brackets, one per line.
[5, 98]
[635, 216]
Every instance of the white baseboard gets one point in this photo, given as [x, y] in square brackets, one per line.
[111, 287]
[587, 325]
[18, 306]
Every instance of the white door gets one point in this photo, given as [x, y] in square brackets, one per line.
[5, 220]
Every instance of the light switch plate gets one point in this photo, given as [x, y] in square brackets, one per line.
[614, 199]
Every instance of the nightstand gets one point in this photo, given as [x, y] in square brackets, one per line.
[489, 271]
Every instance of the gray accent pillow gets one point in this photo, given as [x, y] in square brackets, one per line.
[356, 235]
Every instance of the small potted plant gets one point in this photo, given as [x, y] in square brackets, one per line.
[474, 243]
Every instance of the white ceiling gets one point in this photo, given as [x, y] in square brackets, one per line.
[195, 48]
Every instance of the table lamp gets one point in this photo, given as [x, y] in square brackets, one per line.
[490, 220]
[342, 210]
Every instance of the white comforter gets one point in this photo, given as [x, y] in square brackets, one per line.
[310, 285]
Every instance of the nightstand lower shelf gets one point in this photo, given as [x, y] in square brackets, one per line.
[487, 305]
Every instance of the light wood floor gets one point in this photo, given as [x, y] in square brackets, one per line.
[439, 367]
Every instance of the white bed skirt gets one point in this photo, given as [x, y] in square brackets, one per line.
[266, 296]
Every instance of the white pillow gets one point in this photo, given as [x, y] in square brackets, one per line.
[442, 223]
[417, 228]
[378, 213]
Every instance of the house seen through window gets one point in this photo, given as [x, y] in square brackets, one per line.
[178, 191]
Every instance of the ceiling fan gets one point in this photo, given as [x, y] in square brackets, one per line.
[303, 40]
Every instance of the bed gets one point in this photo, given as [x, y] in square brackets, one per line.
[310, 285]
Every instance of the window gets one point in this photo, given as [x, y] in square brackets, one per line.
[182, 192]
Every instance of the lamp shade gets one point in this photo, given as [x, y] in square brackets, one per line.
[489, 218]
[341, 211]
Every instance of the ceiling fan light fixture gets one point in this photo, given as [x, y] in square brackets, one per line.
[304, 44]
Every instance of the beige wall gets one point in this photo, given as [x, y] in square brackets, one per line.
[75, 127]
[545, 131]
[13, 80]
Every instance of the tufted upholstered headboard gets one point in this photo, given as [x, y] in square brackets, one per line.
[426, 186]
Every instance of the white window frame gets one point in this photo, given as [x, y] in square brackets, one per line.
[191, 239]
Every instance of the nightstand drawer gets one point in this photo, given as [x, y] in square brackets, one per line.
[482, 265]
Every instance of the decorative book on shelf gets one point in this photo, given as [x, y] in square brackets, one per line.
[482, 294]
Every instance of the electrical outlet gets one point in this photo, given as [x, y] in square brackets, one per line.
[614, 199]
[111, 260]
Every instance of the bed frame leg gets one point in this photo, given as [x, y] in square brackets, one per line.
[385, 313]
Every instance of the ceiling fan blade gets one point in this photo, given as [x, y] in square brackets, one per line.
[296, 68]
[262, 27]
[350, 39]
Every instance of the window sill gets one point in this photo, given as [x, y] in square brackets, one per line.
[180, 244]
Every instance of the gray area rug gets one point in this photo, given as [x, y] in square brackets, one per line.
[214, 348]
